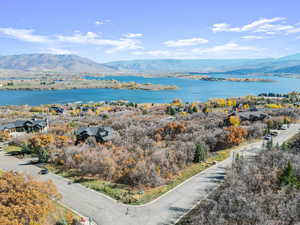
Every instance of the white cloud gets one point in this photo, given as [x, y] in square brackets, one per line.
[294, 30]
[228, 50]
[58, 51]
[101, 22]
[155, 53]
[125, 44]
[253, 37]
[133, 35]
[268, 26]
[24, 35]
[185, 42]
[229, 47]
[224, 27]
[221, 27]
[91, 38]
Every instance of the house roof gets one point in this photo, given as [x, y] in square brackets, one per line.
[24, 123]
[105, 133]
[252, 115]
[57, 109]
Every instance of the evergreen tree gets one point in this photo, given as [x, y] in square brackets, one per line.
[288, 177]
[171, 111]
[190, 110]
[200, 153]
[284, 146]
[195, 109]
[43, 155]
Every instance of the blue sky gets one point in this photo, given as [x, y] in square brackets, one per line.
[137, 29]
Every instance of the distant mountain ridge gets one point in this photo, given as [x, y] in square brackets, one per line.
[285, 64]
[74, 63]
[50, 62]
[184, 65]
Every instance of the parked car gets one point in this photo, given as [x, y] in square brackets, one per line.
[274, 133]
[44, 171]
[268, 137]
[284, 127]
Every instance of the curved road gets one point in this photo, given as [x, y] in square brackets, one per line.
[165, 210]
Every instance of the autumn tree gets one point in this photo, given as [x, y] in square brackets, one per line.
[41, 140]
[171, 129]
[4, 136]
[236, 135]
[39, 145]
[24, 201]
[234, 120]
[220, 102]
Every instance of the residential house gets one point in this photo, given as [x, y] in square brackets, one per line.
[57, 109]
[33, 125]
[251, 116]
[101, 134]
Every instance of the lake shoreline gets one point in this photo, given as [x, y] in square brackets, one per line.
[188, 90]
[72, 84]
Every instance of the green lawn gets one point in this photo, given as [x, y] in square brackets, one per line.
[12, 149]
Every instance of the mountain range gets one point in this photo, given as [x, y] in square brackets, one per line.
[50, 62]
[74, 63]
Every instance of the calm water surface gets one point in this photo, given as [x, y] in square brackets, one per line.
[190, 90]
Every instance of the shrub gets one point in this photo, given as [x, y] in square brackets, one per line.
[38, 109]
[32, 203]
[171, 129]
[41, 141]
[252, 194]
[4, 136]
[234, 120]
[273, 106]
[171, 111]
[235, 136]
[288, 177]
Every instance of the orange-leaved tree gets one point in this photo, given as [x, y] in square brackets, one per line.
[25, 201]
[236, 135]
[4, 136]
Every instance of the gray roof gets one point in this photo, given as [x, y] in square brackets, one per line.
[252, 115]
[103, 132]
[24, 123]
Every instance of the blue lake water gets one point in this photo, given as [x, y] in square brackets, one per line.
[190, 90]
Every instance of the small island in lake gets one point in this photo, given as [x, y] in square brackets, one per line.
[78, 83]
[232, 79]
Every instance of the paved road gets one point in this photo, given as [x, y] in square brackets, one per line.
[165, 210]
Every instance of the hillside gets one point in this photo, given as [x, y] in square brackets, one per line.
[74, 63]
[49, 62]
[287, 64]
[175, 65]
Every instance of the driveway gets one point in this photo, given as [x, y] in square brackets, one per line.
[165, 210]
